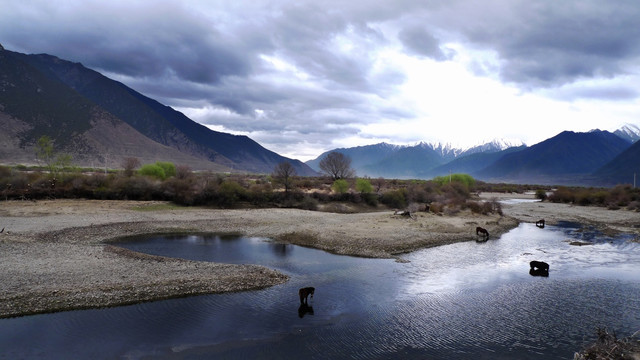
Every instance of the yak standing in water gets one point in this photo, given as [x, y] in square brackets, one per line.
[539, 268]
[304, 294]
[483, 233]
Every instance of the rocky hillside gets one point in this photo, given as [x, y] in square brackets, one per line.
[100, 121]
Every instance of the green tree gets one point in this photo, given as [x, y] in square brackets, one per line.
[152, 170]
[44, 151]
[467, 180]
[168, 167]
[340, 186]
[363, 186]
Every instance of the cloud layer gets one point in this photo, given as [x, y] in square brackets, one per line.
[304, 77]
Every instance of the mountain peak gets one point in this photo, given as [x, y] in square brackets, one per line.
[629, 132]
[495, 145]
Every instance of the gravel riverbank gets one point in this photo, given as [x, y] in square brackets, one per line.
[58, 255]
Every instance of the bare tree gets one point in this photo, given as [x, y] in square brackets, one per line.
[183, 172]
[284, 173]
[129, 164]
[337, 165]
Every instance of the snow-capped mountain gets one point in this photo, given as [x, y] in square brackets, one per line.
[494, 145]
[629, 132]
[446, 150]
[406, 161]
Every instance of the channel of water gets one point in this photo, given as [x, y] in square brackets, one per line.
[466, 301]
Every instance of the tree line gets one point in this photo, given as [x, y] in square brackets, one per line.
[282, 188]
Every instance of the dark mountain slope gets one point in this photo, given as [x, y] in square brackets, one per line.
[162, 123]
[29, 95]
[33, 104]
[565, 155]
[621, 169]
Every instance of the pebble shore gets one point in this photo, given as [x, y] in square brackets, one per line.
[59, 255]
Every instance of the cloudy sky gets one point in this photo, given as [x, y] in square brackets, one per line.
[302, 77]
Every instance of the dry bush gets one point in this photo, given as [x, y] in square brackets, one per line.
[634, 205]
[608, 346]
[394, 198]
[562, 195]
[436, 207]
[476, 207]
[308, 203]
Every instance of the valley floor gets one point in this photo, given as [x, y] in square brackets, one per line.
[57, 255]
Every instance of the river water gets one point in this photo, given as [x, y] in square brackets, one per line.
[462, 301]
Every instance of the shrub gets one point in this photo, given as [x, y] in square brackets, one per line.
[179, 191]
[467, 180]
[134, 188]
[436, 207]
[229, 193]
[563, 195]
[183, 172]
[492, 206]
[634, 205]
[168, 167]
[340, 186]
[363, 186]
[152, 170]
[475, 207]
[370, 199]
[422, 193]
[541, 194]
[394, 198]
[308, 203]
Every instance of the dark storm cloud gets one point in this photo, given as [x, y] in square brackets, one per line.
[539, 43]
[421, 42]
[548, 43]
[216, 54]
[606, 93]
[138, 41]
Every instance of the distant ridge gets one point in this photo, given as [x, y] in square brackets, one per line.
[422, 160]
[568, 155]
[475, 161]
[361, 156]
[567, 158]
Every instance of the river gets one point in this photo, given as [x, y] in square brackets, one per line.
[466, 301]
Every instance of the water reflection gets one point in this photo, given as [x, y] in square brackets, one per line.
[304, 309]
[466, 300]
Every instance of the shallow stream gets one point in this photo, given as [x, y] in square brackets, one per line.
[466, 301]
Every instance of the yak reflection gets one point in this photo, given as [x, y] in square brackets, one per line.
[280, 249]
[304, 309]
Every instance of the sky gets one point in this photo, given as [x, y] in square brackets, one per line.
[304, 77]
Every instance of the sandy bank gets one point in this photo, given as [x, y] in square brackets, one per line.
[55, 255]
[603, 218]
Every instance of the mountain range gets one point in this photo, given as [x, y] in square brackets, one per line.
[572, 158]
[100, 122]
